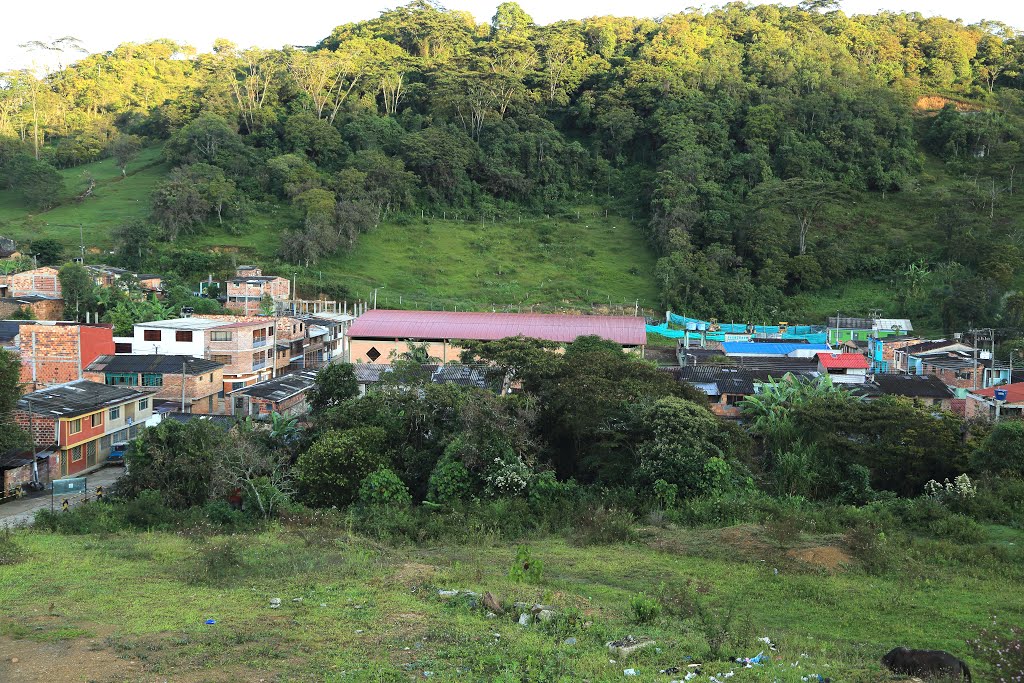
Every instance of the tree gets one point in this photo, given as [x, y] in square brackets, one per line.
[511, 21]
[330, 472]
[134, 242]
[180, 460]
[260, 473]
[11, 436]
[78, 289]
[207, 138]
[48, 251]
[124, 149]
[803, 200]
[688, 446]
[335, 384]
[1002, 451]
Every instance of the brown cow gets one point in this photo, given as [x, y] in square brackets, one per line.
[925, 663]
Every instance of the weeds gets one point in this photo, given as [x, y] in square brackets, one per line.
[644, 610]
[216, 562]
[10, 551]
[526, 568]
[605, 526]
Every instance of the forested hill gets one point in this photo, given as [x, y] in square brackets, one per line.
[769, 151]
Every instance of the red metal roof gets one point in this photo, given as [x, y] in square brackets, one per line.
[1014, 392]
[387, 324]
[842, 361]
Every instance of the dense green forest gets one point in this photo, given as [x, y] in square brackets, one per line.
[769, 152]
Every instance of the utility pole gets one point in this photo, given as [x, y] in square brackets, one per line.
[81, 240]
[975, 354]
[183, 386]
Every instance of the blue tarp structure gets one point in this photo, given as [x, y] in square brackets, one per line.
[811, 333]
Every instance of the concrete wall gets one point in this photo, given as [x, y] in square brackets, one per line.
[358, 349]
[167, 344]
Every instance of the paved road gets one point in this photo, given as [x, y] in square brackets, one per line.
[22, 512]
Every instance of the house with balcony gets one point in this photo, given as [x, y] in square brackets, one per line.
[246, 290]
[164, 376]
[80, 420]
[248, 347]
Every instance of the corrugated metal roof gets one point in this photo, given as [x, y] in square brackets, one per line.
[1014, 392]
[843, 361]
[387, 324]
[163, 364]
[75, 398]
[763, 349]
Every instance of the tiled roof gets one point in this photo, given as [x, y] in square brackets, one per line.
[842, 361]
[77, 398]
[387, 324]
[1014, 392]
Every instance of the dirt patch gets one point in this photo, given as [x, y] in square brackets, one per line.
[934, 103]
[413, 574]
[744, 537]
[82, 659]
[827, 557]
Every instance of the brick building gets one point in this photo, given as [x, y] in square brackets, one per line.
[162, 375]
[251, 348]
[246, 290]
[108, 276]
[54, 352]
[39, 307]
[80, 420]
[285, 395]
[42, 281]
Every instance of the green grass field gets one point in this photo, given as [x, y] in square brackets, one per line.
[132, 607]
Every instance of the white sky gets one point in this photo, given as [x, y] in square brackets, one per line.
[103, 25]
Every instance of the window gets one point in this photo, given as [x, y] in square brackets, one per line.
[151, 335]
[209, 403]
[152, 379]
[75, 426]
[144, 404]
[211, 376]
[373, 354]
[122, 347]
[183, 335]
[220, 336]
[226, 360]
[97, 419]
[76, 454]
[121, 379]
[115, 413]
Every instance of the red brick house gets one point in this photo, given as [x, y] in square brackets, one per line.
[246, 290]
[80, 421]
[39, 307]
[54, 352]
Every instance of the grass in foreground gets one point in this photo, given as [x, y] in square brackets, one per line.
[354, 610]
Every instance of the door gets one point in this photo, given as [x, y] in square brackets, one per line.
[90, 453]
[64, 455]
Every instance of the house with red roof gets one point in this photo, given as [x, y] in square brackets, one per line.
[378, 335]
[845, 368]
[983, 402]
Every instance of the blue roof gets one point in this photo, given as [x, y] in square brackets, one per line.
[766, 349]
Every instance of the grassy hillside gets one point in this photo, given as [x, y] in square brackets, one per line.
[550, 263]
[128, 607]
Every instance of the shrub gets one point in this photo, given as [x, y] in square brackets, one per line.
[1002, 451]
[383, 488]
[10, 551]
[665, 494]
[644, 610]
[145, 511]
[959, 528]
[603, 526]
[875, 550]
[216, 562]
[449, 483]
[330, 472]
[526, 568]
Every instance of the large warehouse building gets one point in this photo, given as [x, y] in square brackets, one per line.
[376, 335]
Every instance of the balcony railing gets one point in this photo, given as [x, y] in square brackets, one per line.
[256, 343]
[259, 364]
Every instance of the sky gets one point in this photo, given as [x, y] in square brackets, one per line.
[103, 25]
